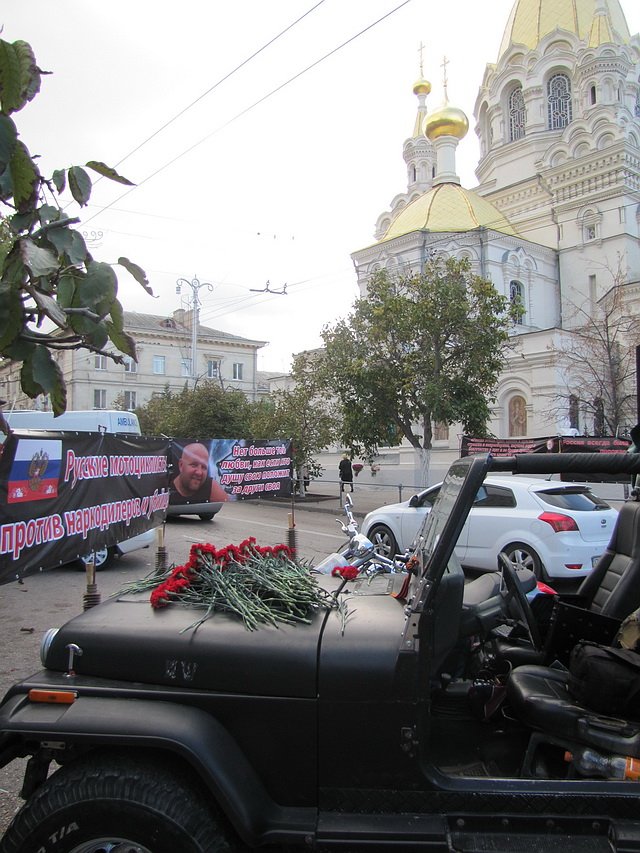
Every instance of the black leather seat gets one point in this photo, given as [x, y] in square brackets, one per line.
[539, 697]
[613, 587]
[611, 590]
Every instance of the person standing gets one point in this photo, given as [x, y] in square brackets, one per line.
[346, 473]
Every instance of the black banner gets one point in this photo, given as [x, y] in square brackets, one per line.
[551, 444]
[470, 445]
[227, 469]
[63, 495]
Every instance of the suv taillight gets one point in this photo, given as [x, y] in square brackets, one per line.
[560, 523]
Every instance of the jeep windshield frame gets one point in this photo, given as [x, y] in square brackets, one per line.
[444, 522]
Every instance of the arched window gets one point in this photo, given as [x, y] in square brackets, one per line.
[516, 298]
[598, 417]
[574, 412]
[637, 107]
[517, 417]
[592, 95]
[441, 431]
[517, 114]
[558, 102]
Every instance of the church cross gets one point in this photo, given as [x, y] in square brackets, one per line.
[445, 81]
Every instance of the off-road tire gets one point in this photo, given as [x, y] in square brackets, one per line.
[117, 802]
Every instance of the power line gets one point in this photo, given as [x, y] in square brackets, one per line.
[219, 82]
[249, 108]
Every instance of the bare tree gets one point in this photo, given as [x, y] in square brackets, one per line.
[597, 361]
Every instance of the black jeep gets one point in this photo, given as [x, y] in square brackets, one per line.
[399, 729]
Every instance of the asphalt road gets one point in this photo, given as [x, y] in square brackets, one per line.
[51, 598]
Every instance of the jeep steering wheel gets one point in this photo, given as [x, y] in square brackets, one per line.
[516, 594]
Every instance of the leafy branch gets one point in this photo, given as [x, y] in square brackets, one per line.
[47, 275]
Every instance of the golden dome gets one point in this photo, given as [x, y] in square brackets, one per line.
[448, 207]
[421, 87]
[446, 121]
[531, 20]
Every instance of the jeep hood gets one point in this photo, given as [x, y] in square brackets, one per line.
[125, 639]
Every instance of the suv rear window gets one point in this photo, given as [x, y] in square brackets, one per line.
[574, 498]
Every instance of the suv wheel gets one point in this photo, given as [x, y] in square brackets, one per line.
[206, 516]
[116, 803]
[383, 540]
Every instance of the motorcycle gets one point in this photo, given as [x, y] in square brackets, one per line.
[359, 553]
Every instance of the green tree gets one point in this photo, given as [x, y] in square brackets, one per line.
[301, 415]
[204, 412]
[418, 349]
[53, 294]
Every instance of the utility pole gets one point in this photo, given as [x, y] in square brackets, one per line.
[194, 303]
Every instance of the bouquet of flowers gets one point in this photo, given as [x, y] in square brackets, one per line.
[261, 585]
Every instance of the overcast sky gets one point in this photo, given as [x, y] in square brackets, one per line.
[236, 185]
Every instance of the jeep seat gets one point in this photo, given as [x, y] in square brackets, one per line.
[611, 590]
[539, 697]
[613, 587]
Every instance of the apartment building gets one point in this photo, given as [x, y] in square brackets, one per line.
[164, 350]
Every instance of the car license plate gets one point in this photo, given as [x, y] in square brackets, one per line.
[594, 561]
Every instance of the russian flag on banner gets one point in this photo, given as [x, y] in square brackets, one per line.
[35, 471]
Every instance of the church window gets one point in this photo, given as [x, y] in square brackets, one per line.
[592, 94]
[517, 417]
[517, 115]
[441, 431]
[558, 101]
[516, 298]
[413, 175]
[637, 107]
[598, 417]
[590, 222]
[574, 412]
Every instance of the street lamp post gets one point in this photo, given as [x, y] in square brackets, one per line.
[195, 304]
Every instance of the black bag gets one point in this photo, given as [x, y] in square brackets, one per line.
[605, 679]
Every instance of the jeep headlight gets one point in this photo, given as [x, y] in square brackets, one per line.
[45, 644]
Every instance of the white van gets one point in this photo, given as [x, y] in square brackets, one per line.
[96, 420]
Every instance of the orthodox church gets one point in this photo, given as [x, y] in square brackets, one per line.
[557, 207]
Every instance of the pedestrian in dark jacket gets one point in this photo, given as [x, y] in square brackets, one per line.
[346, 473]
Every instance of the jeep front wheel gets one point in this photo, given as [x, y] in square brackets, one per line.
[116, 804]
